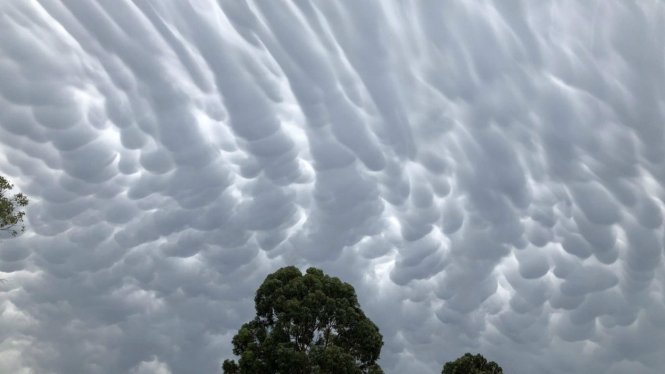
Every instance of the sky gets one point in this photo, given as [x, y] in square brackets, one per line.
[489, 175]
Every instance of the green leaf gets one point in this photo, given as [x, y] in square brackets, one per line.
[309, 323]
[470, 364]
[11, 218]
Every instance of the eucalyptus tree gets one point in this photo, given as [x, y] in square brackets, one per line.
[11, 215]
[306, 324]
[470, 364]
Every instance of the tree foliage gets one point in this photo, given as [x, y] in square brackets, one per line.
[11, 217]
[470, 364]
[306, 324]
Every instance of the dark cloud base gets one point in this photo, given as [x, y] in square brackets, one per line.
[488, 175]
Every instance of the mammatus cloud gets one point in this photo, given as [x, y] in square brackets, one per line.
[488, 175]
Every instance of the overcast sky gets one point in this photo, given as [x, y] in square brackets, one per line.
[489, 176]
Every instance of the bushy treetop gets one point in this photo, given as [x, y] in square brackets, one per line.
[307, 324]
[470, 364]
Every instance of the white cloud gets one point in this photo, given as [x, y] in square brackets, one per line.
[489, 176]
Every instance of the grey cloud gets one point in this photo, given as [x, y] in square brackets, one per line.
[489, 176]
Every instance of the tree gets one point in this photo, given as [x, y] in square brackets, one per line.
[470, 364]
[11, 217]
[306, 324]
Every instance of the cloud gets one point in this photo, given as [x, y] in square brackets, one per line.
[489, 176]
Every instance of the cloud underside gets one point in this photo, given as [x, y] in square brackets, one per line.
[488, 175]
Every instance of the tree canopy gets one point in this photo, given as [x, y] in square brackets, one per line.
[306, 324]
[470, 364]
[11, 217]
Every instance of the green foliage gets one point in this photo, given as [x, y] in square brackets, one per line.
[470, 364]
[11, 218]
[230, 367]
[306, 324]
